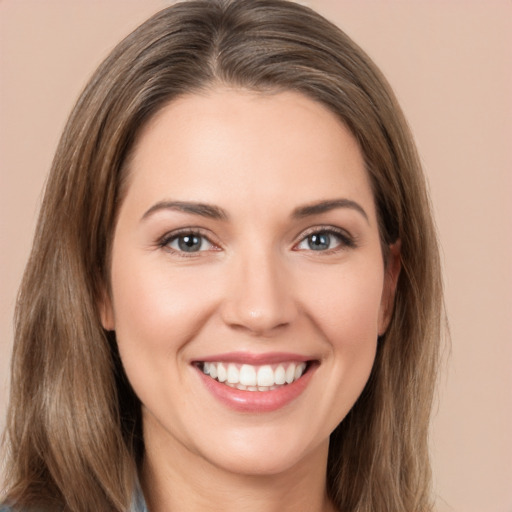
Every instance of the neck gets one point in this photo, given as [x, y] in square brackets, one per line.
[174, 479]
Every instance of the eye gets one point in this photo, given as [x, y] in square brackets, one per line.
[324, 240]
[187, 242]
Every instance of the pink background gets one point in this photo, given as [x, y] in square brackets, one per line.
[450, 63]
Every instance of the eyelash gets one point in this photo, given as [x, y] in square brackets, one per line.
[346, 241]
[168, 238]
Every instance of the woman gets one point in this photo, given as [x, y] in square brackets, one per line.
[234, 295]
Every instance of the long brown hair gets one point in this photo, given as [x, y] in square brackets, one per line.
[74, 429]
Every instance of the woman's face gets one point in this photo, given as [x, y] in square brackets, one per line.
[248, 283]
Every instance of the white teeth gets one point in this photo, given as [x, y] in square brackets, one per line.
[299, 370]
[233, 374]
[247, 377]
[290, 374]
[280, 375]
[266, 376]
[222, 374]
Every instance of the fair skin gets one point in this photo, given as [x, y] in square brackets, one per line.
[248, 237]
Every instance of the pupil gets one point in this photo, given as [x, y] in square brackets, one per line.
[319, 242]
[189, 243]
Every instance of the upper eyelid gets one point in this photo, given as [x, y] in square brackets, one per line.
[189, 230]
[324, 229]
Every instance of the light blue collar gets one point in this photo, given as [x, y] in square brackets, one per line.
[138, 503]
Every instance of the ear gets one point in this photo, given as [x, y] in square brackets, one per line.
[391, 273]
[106, 311]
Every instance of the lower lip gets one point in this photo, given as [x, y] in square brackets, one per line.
[257, 401]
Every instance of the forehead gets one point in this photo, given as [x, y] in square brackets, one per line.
[225, 142]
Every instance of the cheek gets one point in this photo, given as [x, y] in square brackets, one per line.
[346, 305]
[152, 303]
[345, 312]
[155, 315]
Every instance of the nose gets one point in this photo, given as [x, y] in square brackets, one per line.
[259, 297]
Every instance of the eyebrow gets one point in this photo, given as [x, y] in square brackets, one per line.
[326, 206]
[202, 209]
[217, 213]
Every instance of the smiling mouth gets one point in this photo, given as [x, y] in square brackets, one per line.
[247, 377]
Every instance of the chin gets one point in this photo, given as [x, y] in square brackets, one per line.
[254, 463]
[265, 450]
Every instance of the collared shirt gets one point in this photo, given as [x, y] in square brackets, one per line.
[139, 503]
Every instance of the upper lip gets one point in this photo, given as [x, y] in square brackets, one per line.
[254, 359]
